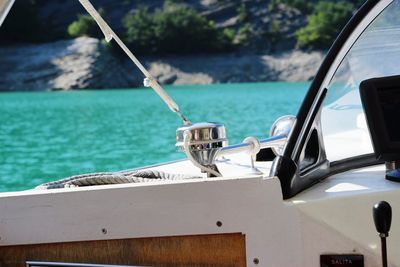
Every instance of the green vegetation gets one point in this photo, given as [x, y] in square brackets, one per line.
[325, 19]
[177, 28]
[274, 33]
[243, 13]
[85, 26]
[140, 33]
[324, 23]
[243, 35]
[173, 29]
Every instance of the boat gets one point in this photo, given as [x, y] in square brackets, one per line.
[320, 191]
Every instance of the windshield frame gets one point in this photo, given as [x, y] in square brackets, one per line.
[340, 48]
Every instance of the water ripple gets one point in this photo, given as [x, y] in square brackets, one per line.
[46, 136]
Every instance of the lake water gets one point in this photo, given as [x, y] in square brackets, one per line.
[50, 135]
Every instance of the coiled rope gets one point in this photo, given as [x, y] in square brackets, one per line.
[106, 178]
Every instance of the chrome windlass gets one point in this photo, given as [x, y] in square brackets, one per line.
[204, 142]
[204, 135]
[201, 142]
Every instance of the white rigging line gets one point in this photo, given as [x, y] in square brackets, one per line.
[5, 6]
[149, 81]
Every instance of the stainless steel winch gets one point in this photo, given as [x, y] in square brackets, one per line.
[204, 142]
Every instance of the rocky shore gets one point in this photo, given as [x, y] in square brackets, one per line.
[84, 63]
[70, 64]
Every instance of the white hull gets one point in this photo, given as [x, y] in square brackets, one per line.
[334, 217]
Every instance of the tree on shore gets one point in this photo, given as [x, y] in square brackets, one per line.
[173, 29]
[178, 28]
[85, 26]
[326, 21]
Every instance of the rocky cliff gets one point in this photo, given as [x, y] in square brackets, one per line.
[86, 63]
[58, 14]
[70, 64]
[230, 68]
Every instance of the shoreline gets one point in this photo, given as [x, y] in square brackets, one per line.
[84, 63]
[165, 86]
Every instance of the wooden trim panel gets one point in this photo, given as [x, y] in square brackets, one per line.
[197, 250]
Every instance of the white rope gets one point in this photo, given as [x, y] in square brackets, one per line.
[104, 178]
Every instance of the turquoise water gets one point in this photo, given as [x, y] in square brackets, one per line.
[51, 135]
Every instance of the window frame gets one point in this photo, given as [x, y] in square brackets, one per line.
[341, 47]
[286, 166]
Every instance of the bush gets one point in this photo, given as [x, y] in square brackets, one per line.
[84, 26]
[229, 35]
[140, 31]
[183, 30]
[244, 34]
[173, 29]
[274, 32]
[243, 13]
[324, 24]
[22, 23]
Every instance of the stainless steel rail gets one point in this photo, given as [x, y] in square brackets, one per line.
[275, 141]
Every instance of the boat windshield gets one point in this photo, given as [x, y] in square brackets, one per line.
[376, 53]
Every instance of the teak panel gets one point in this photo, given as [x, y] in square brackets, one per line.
[196, 250]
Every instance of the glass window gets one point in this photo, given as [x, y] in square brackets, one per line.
[376, 53]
